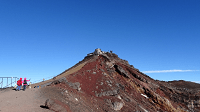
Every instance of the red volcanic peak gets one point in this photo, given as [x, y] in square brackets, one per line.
[104, 82]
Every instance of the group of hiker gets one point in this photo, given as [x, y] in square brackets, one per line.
[20, 82]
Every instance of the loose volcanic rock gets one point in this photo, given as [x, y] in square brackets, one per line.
[50, 104]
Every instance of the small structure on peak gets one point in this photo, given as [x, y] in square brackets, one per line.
[96, 52]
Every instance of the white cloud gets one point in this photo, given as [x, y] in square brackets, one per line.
[196, 82]
[166, 71]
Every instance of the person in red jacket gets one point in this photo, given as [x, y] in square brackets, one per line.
[19, 84]
[25, 83]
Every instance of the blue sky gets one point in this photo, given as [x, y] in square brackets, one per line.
[42, 38]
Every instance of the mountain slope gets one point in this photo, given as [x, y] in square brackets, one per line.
[104, 82]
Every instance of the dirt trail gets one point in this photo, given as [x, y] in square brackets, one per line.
[30, 100]
[70, 71]
[22, 101]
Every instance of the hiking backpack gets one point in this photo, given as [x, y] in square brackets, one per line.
[25, 82]
[18, 82]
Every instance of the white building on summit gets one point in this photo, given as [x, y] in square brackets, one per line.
[96, 52]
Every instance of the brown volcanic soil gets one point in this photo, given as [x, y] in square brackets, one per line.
[106, 83]
[22, 101]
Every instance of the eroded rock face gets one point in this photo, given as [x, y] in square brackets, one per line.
[107, 83]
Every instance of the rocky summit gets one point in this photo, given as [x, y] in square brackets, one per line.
[102, 82]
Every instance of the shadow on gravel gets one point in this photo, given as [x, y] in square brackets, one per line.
[17, 90]
[44, 107]
[9, 88]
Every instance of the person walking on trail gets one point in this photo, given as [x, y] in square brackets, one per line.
[25, 83]
[19, 84]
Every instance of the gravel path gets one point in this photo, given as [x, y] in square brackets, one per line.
[22, 101]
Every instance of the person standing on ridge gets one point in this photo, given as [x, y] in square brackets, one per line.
[19, 84]
[25, 83]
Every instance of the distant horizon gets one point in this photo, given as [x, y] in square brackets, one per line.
[145, 72]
